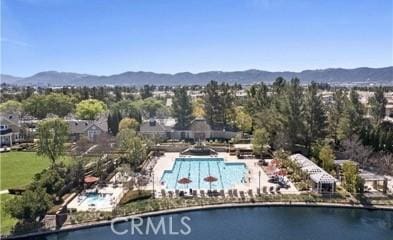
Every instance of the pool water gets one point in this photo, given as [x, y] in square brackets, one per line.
[228, 174]
[97, 200]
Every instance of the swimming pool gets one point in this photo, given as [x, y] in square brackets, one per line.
[228, 174]
[97, 200]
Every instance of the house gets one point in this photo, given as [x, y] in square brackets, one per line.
[157, 128]
[10, 129]
[198, 129]
[90, 129]
[322, 182]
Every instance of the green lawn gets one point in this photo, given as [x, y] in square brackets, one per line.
[18, 168]
[6, 222]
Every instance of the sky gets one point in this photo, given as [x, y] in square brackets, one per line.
[108, 37]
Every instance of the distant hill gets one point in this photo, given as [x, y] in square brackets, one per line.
[9, 79]
[334, 76]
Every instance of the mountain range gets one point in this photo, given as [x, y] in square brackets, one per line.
[333, 76]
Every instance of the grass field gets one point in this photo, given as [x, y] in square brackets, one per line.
[18, 168]
[6, 222]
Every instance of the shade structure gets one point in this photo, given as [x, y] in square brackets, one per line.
[90, 179]
[184, 180]
[210, 179]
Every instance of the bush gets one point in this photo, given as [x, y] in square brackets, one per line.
[135, 195]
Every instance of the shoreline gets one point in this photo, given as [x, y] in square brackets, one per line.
[87, 225]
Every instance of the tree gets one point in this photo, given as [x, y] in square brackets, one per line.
[11, 106]
[52, 134]
[243, 120]
[114, 119]
[77, 173]
[338, 120]
[213, 108]
[128, 108]
[146, 91]
[378, 105]
[356, 151]
[326, 156]
[182, 108]
[198, 108]
[226, 103]
[133, 145]
[118, 93]
[52, 180]
[350, 173]
[90, 109]
[260, 141]
[128, 123]
[59, 104]
[149, 106]
[356, 112]
[316, 120]
[258, 98]
[54, 103]
[36, 106]
[29, 206]
[218, 103]
[295, 113]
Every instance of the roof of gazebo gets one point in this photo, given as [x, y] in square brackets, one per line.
[90, 179]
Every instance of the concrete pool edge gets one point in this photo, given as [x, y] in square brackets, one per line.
[199, 208]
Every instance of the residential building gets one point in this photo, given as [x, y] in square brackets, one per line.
[198, 129]
[90, 129]
[10, 129]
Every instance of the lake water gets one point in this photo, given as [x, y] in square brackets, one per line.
[284, 223]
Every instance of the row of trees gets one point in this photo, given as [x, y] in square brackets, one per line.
[217, 106]
[293, 117]
[40, 106]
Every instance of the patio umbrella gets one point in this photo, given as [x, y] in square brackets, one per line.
[90, 179]
[210, 179]
[184, 181]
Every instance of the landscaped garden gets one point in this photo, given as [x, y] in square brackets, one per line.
[18, 168]
[7, 222]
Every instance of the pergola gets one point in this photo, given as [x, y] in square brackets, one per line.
[375, 179]
[243, 150]
[322, 181]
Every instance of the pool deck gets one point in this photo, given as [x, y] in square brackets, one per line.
[166, 162]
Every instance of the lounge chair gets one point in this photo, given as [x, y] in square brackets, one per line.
[278, 189]
[250, 193]
[242, 196]
[222, 193]
[202, 193]
[177, 192]
[235, 193]
[271, 189]
[264, 189]
[230, 193]
[170, 193]
[163, 193]
[258, 191]
[214, 193]
[194, 193]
